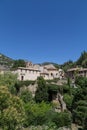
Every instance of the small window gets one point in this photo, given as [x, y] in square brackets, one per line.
[22, 78]
[51, 74]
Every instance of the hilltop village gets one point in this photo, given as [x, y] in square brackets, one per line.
[33, 71]
[48, 71]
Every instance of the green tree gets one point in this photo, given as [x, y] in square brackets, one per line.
[84, 63]
[69, 84]
[85, 122]
[62, 119]
[81, 81]
[11, 110]
[82, 58]
[8, 79]
[19, 63]
[41, 92]
[80, 112]
[5, 97]
[26, 95]
[36, 113]
[67, 65]
[68, 100]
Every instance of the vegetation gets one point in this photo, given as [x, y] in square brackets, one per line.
[26, 96]
[19, 109]
[9, 63]
[76, 102]
[81, 62]
[18, 63]
[41, 92]
[67, 65]
[36, 113]
[79, 104]
[8, 79]
[26, 83]
[11, 110]
[6, 61]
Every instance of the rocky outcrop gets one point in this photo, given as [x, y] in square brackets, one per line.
[62, 103]
[59, 103]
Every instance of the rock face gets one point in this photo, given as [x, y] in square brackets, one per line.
[59, 103]
[32, 89]
[56, 103]
[63, 105]
[64, 128]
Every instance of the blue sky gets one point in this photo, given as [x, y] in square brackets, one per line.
[43, 30]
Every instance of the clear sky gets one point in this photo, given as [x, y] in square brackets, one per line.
[43, 30]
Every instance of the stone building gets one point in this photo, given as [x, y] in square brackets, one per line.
[31, 72]
[77, 72]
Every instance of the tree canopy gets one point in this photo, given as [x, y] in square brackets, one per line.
[41, 92]
[19, 63]
[11, 110]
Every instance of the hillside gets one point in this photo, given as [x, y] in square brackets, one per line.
[55, 64]
[5, 61]
[80, 62]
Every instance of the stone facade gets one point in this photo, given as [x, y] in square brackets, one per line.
[31, 72]
[77, 71]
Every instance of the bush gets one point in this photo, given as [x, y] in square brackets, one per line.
[68, 100]
[66, 89]
[62, 119]
[41, 92]
[26, 83]
[36, 114]
[26, 96]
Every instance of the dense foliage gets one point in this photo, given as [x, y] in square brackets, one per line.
[19, 63]
[81, 62]
[79, 105]
[6, 61]
[67, 65]
[18, 109]
[76, 100]
[11, 110]
[41, 92]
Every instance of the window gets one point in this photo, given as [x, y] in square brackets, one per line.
[22, 78]
[51, 74]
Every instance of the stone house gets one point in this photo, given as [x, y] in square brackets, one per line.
[27, 73]
[77, 71]
[31, 72]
